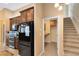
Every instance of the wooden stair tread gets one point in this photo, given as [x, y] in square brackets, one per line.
[71, 44]
[71, 39]
[68, 53]
[72, 49]
[72, 36]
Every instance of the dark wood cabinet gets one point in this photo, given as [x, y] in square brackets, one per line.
[27, 15]
[30, 15]
[7, 40]
[23, 17]
[16, 43]
[18, 20]
[11, 23]
[15, 20]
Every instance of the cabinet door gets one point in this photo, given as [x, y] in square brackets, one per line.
[18, 20]
[15, 20]
[11, 22]
[24, 50]
[23, 16]
[30, 15]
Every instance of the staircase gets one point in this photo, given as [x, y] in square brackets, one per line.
[71, 39]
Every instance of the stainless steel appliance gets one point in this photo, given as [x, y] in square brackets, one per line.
[12, 35]
[26, 38]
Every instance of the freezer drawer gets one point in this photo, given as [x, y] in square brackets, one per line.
[24, 50]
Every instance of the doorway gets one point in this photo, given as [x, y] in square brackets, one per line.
[50, 41]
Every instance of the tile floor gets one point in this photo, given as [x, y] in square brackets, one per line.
[50, 49]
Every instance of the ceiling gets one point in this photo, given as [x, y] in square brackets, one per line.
[12, 6]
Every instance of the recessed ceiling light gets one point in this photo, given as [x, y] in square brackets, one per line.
[56, 5]
[60, 8]
[66, 3]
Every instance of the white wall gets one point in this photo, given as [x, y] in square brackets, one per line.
[38, 23]
[66, 9]
[74, 14]
[60, 36]
[4, 21]
[50, 10]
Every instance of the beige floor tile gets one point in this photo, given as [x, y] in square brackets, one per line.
[50, 49]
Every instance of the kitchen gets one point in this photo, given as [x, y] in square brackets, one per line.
[25, 25]
[13, 30]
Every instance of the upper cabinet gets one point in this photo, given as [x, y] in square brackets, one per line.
[15, 20]
[27, 15]
[11, 23]
[30, 15]
[23, 16]
[18, 20]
